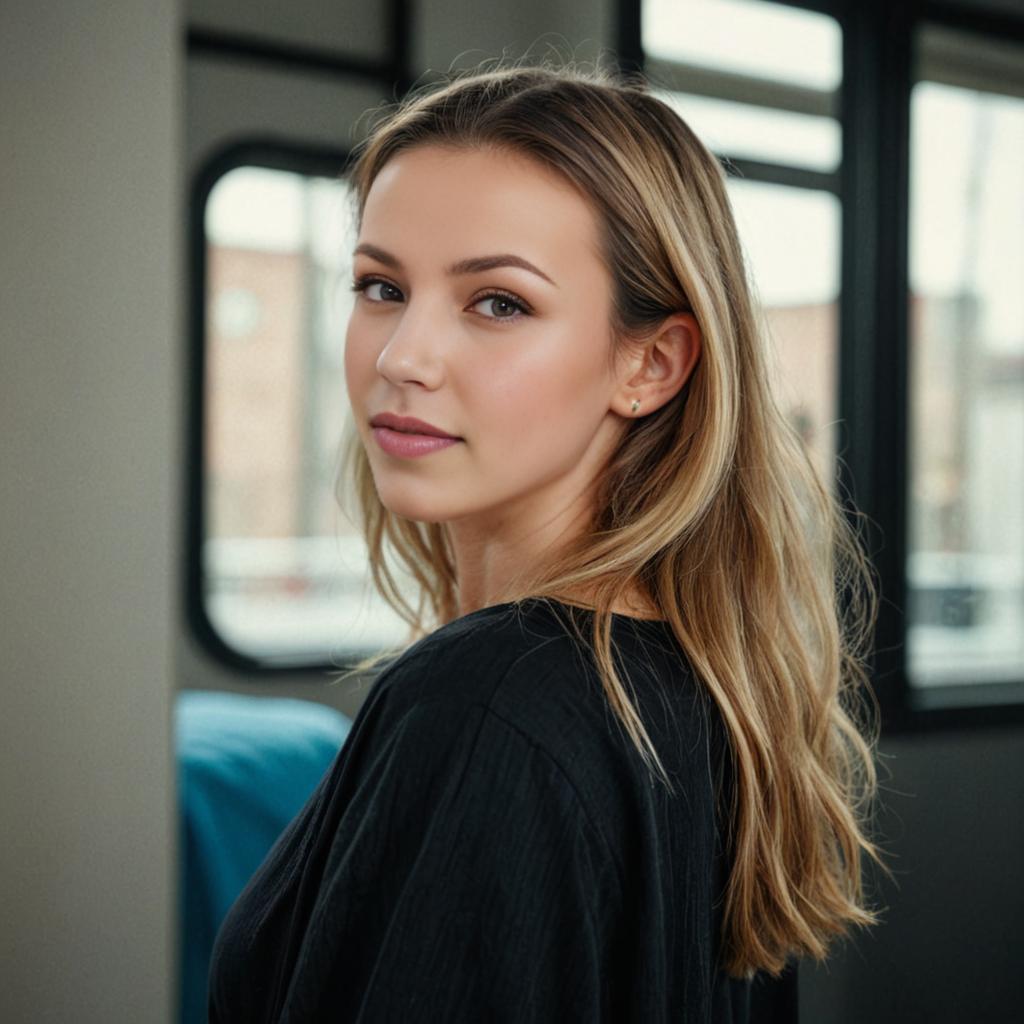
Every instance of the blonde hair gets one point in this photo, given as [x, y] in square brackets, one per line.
[711, 504]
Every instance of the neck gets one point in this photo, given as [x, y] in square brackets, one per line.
[494, 565]
[496, 559]
[500, 552]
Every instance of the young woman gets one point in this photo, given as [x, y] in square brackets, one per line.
[622, 769]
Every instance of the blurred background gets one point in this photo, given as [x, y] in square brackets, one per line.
[179, 588]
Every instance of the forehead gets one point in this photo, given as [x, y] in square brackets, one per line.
[443, 203]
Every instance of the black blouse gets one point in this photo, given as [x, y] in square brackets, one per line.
[488, 845]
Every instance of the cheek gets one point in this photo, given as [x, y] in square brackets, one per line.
[553, 391]
[360, 364]
[513, 391]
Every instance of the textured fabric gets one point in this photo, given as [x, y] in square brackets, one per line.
[489, 846]
[246, 765]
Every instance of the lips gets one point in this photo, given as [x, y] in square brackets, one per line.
[409, 425]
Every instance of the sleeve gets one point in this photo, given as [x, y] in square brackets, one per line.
[464, 882]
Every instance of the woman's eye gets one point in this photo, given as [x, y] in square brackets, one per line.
[502, 306]
[364, 284]
[500, 303]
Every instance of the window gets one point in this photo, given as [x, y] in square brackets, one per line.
[283, 572]
[933, 125]
[758, 82]
[768, 41]
[965, 615]
[761, 82]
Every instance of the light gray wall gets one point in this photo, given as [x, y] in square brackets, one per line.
[90, 428]
[461, 33]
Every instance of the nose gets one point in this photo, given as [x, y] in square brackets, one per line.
[412, 354]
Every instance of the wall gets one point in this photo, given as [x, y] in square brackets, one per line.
[949, 949]
[90, 422]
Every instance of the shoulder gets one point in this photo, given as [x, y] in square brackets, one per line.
[474, 657]
[509, 694]
[442, 690]
[518, 663]
[526, 665]
[451, 731]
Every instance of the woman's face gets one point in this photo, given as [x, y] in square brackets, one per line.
[512, 362]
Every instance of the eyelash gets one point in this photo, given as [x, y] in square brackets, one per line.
[362, 283]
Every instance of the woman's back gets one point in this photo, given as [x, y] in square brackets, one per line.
[489, 845]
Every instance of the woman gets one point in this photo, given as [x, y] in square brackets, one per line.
[622, 776]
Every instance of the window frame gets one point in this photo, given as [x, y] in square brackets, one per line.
[391, 72]
[874, 385]
[875, 381]
[272, 154]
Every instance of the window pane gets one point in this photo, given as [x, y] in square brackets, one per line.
[284, 571]
[762, 80]
[749, 37]
[796, 276]
[760, 133]
[966, 527]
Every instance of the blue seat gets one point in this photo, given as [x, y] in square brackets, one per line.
[246, 766]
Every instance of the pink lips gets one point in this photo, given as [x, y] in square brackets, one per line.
[408, 437]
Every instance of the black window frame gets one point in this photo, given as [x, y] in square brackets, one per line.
[272, 154]
[391, 74]
[875, 396]
[874, 192]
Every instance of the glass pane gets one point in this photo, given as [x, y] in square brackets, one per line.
[760, 133]
[796, 275]
[965, 571]
[749, 37]
[284, 572]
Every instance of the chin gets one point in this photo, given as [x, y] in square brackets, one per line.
[413, 503]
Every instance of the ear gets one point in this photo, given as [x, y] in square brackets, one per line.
[653, 371]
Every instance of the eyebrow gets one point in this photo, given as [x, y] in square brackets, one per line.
[470, 265]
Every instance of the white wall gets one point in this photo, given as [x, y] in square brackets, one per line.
[89, 438]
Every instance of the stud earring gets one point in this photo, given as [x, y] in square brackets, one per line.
[636, 405]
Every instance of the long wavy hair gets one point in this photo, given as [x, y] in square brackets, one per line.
[711, 505]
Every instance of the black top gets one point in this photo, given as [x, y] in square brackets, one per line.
[489, 845]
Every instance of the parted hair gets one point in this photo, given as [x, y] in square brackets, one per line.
[711, 504]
